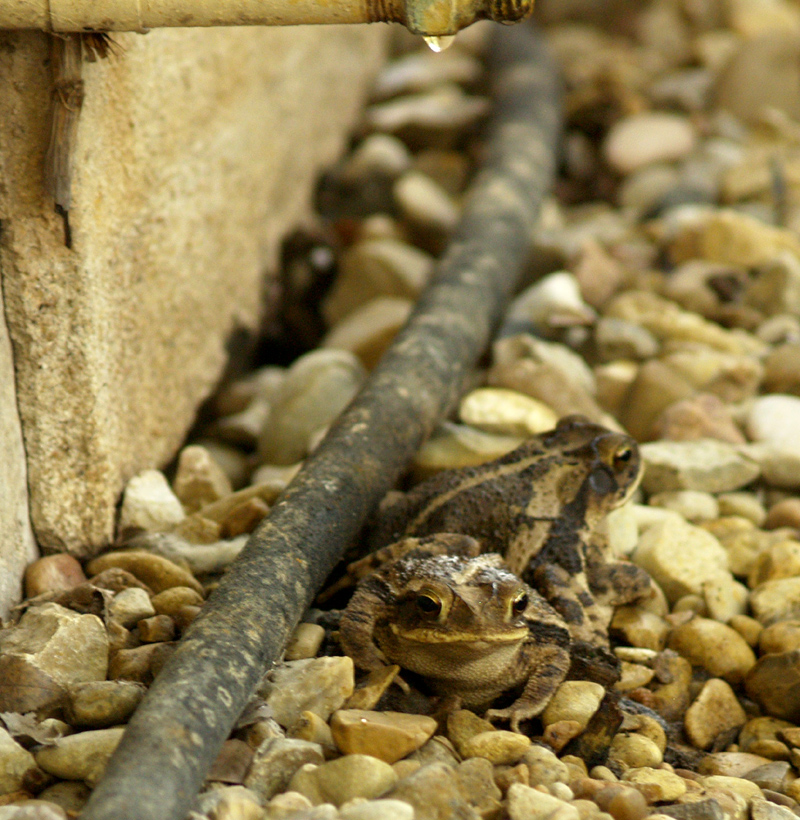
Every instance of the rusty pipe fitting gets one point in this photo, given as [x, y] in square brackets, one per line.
[431, 18]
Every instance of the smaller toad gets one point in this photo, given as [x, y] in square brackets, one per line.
[462, 621]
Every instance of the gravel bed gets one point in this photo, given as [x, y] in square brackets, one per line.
[663, 300]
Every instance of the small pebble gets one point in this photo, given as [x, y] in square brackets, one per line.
[714, 711]
[82, 756]
[149, 505]
[53, 573]
[389, 736]
[574, 700]
[340, 780]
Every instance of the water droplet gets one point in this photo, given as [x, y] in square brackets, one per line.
[439, 43]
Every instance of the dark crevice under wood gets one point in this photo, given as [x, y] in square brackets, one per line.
[180, 726]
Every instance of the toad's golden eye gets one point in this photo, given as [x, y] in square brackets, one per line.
[623, 456]
[520, 603]
[428, 604]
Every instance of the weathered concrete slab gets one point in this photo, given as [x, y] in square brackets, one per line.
[196, 150]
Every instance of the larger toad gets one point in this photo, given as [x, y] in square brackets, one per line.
[460, 620]
[541, 507]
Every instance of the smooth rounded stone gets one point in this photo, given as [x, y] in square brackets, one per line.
[645, 188]
[634, 751]
[657, 785]
[774, 683]
[434, 791]
[464, 724]
[369, 329]
[526, 803]
[318, 386]
[129, 606]
[620, 339]
[782, 369]
[777, 600]
[767, 810]
[774, 419]
[453, 446]
[373, 268]
[476, 782]
[319, 685]
[139, 663]
[780, 559]
[633, 676]
[680, 557]
[715, 646]
[244, 518]
[598, 272]
[377, 154]
[620, 530]
[242, 429]
[640, 628]
[782, 636]
[574, 700]
[98, 704]
[304, 642]
[343, 779]
[744, 504]
[505, 412]
[705, 465]
[730, 764]
[230, 803]
[614, 381]
[389, 736]
[738, 785]
[312, 727]
[701, 416]
[779, 466]
[762, 729]
[422, 70]
[53, 573]
[157, 572]
[544, 767]
[171, 601]
[714, 711]
[275, 762]
[425, 205]
[71, 795]
[149, 505]
[784, 513]
[287, 805]
[199, 480]
[725, 598]
[655, 387]
[647, 138]
[82, 756]
[749, 628]
[498, 746]
[555, 301]
[17, 765]
[693, 505]
[377, 810]
[67, 646]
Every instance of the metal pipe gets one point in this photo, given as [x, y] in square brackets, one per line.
[431, 18]
[183, 720]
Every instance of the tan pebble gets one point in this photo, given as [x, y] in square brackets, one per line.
[762, 728]
[170, 601]
[475, 778]
[544, 768]
[133, 664]
[244, 518]
[744, 504]
[275, 762]
[672, 698]
[100, 704]
[730, 764]
[115, 580]
[507, 412]
[313, 728]
[525, 803]
[780, 560]
[437, 750]
[434, 791]
[603, 773]
[632, 676]
[130, 606]
[82, 756]
[657, 785]
[369, 329]
[53, 573]
[702, 415]
[286, 804]
[773, 749]
[498, 746]
[576, 767]
[185, 615]
[649, 727]
[505, 776]
[785, 513]
[558, 734]
[793, 790]
[149, 505]
[694, 506]
[304, 642]
[715, 710]
[640, 628]
[463, 724]
[749, 628]
[157, 572]
[155, 629]
[404, 768]
[622, 802]
[388, 736]
[232, 762]
[718, 648]
[724, 597]
[371, 689]
[791, 735]
[199, 480]
[646, 138]
[654, 388]
[634, 751]
[738, 785]
[574, 700]
[777, 600]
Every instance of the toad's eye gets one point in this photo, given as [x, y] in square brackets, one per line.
[428, 604]
[623, 456]
[520, 603]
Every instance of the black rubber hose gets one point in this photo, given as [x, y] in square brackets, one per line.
[189, 711]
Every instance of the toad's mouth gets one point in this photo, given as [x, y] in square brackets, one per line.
[431, 635]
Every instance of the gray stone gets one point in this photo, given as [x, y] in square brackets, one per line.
[275, 762]
[129, 606]
[149, 505]
[433, 791]
[318, 685]
[647, 138]
[16, 764]
[69, 647]
[82, 756]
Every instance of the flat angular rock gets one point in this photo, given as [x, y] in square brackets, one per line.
[715, 710]
[389, 736]
[129, 606]
[149, 505]
[275, 762]
[525, 803]
[199, 480]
